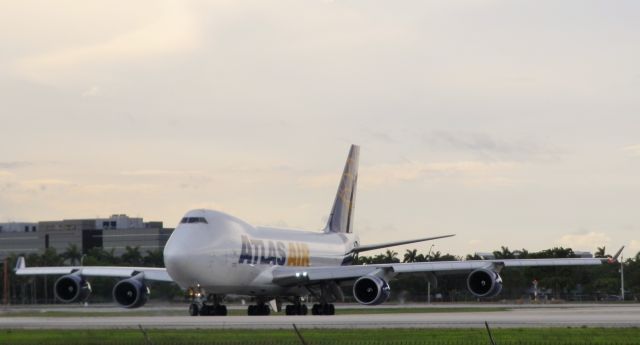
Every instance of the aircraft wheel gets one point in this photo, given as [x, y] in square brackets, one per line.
[303, 310]
[205, 310]
[251, 311]
[221, 310]
[194, 310]
[290, 310]
[314, 309]
[332, 310]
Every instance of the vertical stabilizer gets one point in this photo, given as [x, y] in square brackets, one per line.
[341, 218]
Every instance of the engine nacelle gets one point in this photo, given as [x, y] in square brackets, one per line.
[371, 290]
[72, 288]
[131, 293]
[484, 283]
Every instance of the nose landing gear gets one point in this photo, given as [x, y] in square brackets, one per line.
[206, 306]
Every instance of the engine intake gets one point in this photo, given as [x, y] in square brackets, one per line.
[71, 288]
[131, 293]
[484, 283]
[371, 290]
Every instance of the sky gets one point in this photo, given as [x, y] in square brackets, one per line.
[507, 123]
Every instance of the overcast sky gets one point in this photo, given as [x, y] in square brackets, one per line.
[512, 123]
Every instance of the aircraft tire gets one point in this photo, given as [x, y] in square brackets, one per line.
[289, 310]
[221, 310]
[205, 310]
[194, 310]
[323, 309]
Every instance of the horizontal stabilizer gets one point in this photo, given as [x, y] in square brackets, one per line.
[393, 244]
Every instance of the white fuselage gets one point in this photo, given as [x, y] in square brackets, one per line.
[223, 254]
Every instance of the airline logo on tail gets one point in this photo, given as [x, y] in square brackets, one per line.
[269, 252]
[341, 218]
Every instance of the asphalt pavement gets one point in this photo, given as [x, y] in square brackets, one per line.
[610, 315]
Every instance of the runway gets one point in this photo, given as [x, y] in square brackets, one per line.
[624, 315]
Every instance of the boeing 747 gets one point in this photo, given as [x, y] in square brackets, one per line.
[211, 254]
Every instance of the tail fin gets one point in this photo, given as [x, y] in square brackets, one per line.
[341, 218]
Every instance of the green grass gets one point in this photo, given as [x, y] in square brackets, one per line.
[234, 312]
[539, 336]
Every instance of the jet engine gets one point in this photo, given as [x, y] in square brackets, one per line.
[131, 293]
[71, 288]
[371, 290]
[484, 283]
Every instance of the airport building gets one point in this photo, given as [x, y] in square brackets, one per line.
[116, 232]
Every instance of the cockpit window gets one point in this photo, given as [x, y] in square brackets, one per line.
[193, 220]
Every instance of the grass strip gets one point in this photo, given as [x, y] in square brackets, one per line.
[521, 336]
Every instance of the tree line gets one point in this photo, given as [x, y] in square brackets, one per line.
[578, 283]
[581, 283]
[39, 289]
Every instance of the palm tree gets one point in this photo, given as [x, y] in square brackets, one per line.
[73, 254]
[132, 256]
[503, 253]
[154, 258]
[600, 253]
[391, 256]
[410, 255]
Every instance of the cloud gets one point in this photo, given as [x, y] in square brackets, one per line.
[174, 32]
[92, 91]
[584, 241]
[485, 145]
[469, 172]
[633, 248]
[14, 165]
[161, 172]
[633, 150]
[43, 184]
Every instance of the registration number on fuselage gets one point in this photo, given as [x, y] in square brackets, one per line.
[270, 252]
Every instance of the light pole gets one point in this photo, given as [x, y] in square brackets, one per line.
[429, 280]
[622, 277]
[5, 286]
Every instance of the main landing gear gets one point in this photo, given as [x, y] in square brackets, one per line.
[323, 309]
[297, 308]
[199, 306]
[259, 309]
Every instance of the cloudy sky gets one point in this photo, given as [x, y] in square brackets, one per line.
[511, 123]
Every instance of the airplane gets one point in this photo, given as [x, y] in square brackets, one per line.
[211, 254]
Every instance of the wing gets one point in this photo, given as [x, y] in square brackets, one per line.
[150, 273]
[289, 276]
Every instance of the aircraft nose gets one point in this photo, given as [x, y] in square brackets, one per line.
[181, 258]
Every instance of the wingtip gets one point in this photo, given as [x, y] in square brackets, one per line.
[20, 264]
[614, 258]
